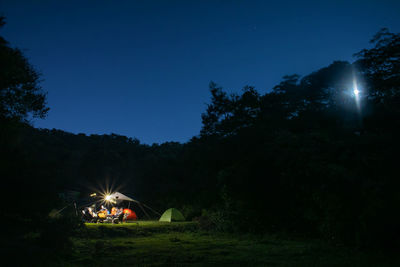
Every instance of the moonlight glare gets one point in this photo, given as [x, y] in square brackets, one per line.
[356, 93]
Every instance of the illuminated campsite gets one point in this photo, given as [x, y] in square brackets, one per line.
[116, 208]
[200, 133]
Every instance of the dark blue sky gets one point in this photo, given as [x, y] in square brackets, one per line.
[142, 68]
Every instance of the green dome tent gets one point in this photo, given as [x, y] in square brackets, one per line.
[171, 215]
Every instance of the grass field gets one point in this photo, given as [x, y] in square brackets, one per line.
[182, 244]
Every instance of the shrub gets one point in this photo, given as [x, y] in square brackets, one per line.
[55, 233]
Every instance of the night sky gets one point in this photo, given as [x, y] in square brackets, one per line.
[142, 68]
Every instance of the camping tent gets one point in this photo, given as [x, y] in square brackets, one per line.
[172, 215]
[131, 215]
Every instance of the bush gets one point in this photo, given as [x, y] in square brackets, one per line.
[190, 212]
[218, 220]
[55, 233]
[205, 223]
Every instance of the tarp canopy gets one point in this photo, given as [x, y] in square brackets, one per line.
[171, 215]
[120, 197]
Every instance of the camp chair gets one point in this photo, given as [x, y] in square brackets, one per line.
[119, 218]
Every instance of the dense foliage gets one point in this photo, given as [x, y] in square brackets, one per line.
[20, 93]
[308, 157]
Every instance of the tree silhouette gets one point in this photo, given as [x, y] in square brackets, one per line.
[20, 92]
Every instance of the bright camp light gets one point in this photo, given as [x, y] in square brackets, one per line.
[356, 92]
[107, 197]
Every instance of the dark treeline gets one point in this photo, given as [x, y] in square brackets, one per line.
[310, 157]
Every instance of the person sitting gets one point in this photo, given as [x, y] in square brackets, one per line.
[114, 211]
[119, 215]
[88, 215]
[93, 214]
[119, 211]
[102, 214]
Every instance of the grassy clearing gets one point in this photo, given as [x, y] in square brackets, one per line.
[181, 244]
